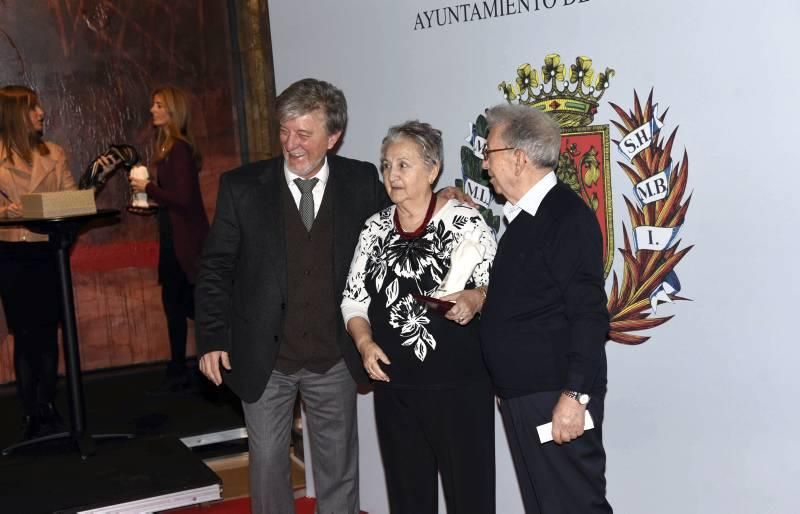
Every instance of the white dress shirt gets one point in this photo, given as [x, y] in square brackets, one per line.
[531, 200]
[319, 188]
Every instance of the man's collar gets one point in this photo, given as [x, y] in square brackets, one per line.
[532, 199]
[323, 173]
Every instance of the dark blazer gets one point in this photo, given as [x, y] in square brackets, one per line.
[178, 190]
[241, 288]
[545, 321]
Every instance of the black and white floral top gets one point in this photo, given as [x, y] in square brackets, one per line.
[425, 348]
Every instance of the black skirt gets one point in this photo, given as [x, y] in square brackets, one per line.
[29, 284]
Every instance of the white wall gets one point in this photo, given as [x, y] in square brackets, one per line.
[700, 418]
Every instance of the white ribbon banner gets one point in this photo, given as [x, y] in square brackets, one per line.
[670, 285]
[476, 142]
[654, 188]
[654, 238]
[641, 137]
[479, 193]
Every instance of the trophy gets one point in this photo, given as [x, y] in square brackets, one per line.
[139, 200]
[97, 173]
[463, 260]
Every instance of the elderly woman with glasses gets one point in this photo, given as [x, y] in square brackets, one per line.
[433, 403]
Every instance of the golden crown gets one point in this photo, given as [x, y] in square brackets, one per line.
[573, 102]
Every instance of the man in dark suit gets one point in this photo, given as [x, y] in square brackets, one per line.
[545, 321]
[271, 279]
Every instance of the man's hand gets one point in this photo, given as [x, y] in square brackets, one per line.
[568, 419]
[452, 192]
[209, 365]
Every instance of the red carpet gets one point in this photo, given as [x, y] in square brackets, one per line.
[242, 506]
[87, 257]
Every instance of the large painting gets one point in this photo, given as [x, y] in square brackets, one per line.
[94, 64]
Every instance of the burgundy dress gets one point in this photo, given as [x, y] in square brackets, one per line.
[178, 192]
[182, 227]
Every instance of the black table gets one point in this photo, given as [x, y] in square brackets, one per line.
[63, 231]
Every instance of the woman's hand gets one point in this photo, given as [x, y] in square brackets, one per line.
[468, 304]
[372, 356]
[138, 185]
[13, 210]
[106, 162]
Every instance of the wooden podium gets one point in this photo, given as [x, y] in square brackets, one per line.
[63, 231]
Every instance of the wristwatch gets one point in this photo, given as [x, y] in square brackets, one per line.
[581, 398]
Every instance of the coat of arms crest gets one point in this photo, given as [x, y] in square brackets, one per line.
[656, 207]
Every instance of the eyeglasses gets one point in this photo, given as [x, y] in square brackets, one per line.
[486, 151]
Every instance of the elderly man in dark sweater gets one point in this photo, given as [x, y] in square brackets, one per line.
[544, 323]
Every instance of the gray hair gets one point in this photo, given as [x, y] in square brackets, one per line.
[423, 134]
[529, 129]
[308, 95]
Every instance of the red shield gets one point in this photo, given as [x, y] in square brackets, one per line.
[585, 166]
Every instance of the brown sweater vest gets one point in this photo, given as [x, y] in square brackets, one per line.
[312, 314]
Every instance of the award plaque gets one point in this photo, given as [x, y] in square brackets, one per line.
[463, 260]
[434, 304]
[465, 257]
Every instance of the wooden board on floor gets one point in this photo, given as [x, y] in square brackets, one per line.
[234, 472]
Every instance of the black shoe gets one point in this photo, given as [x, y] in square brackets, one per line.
[51, 420]
[31, 427]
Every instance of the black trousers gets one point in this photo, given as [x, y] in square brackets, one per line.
[32, 306]
[177, 297]
[556, 479]
[422, 431]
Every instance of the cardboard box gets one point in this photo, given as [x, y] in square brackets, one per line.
[58, 204]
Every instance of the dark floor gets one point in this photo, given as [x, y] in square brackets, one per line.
[122, 471]
[53, 476]
[127, 400]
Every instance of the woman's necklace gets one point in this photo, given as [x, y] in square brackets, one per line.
[418, 232]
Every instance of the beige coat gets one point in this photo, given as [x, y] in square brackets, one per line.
[48, 173]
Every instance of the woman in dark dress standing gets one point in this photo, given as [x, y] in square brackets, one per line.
[182, 221]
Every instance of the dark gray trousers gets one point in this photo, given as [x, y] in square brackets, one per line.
[330, 405]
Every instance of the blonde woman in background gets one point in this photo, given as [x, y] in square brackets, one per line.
[182, 221]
